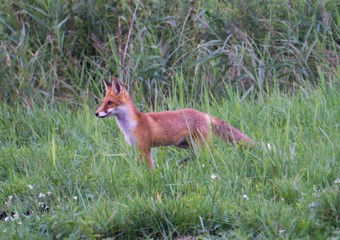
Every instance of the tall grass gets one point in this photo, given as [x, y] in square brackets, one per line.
[57, 50]
[271, 68]
[72, 176]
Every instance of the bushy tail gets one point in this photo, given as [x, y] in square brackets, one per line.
[229, 133]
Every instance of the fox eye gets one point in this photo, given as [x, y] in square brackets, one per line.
[109, 103]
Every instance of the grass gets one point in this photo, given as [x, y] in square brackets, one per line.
[72, 176]
[57, 51]
[271, 69]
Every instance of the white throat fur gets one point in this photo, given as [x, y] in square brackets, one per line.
[126, 124]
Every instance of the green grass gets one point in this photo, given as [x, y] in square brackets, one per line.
[271, 69]
[95, 188]
[57, 51]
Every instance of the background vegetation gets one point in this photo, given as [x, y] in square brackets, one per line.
[62, 49]
[270, 67]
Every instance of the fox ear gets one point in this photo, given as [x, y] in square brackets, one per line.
[107, 84]
[117, 87]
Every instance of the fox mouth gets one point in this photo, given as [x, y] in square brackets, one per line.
[105, 114]
[101, 116]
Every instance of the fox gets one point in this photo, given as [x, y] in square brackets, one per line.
[181, 128]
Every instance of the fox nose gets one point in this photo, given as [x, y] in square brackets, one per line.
[97, 114]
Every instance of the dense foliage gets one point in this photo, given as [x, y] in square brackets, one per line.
[269, 67]
[62, 49]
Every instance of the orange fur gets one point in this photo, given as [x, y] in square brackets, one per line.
[180, 128]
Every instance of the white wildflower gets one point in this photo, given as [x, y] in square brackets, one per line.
[214, 176]
[42, 195]
[337, 181]
[49, 194]
[75, 198]
[269, 146]
[282, 231]
[313, 205]
[245, 196]
[15, 215]
[30, 186]
[7, 219]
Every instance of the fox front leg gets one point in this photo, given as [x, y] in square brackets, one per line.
[146, 155]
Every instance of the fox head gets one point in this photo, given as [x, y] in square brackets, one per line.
[116, 97]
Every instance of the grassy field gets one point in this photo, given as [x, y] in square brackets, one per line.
[72, 176]
[271, 68]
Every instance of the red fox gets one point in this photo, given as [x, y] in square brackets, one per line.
[181, 128]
